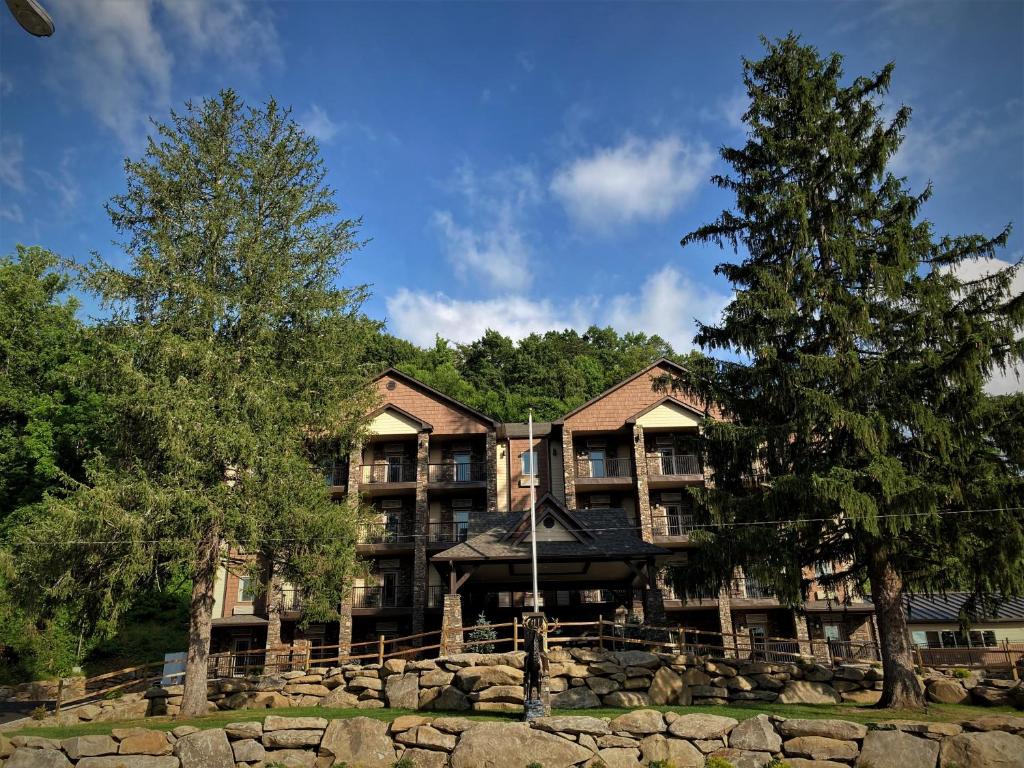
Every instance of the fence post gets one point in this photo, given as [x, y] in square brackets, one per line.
[920, 660]
[60, 695]
[1009, 659]
[600, 631]
[515, 634]
[380, 650]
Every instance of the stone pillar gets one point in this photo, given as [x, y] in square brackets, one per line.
[643, 492]
[803, 634]
[492, 472]
[725, 620]
[569, 463]
[636, 608]
[355, 468]
[345, 625]
[420, 524]
[451, 626]
[654, 605]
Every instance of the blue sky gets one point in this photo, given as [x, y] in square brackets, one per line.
[519, 166]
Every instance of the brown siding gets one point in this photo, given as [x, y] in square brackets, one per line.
[520, 494]
[446, 419]
[611, 411]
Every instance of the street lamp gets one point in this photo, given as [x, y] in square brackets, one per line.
[32, 16]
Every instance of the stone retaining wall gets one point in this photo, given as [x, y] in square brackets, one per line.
[639, 738]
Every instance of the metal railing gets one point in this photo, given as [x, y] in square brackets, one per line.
[686, 464]
[390, 532]
[608, 467]
[1006, 654]
[379, 597]
[388, 473]
[435, 595]
[457, 472]
[335, 474]
[448, 531]
[750, 589]
[673, 524]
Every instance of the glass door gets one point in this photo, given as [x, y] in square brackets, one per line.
[389, 589]
[462, 467]
[597, 463]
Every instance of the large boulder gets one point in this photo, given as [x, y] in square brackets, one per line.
[820, 748]
[637, 659]
[755, 735]
[24, 757]
[291, 739]
[626, 699]
[402, 691]
[830, 729]
[665, 687]
[992, 749]
[129, 761]
[700, 726]
[742, 758]
[446, 699]
[674, 752]
[574, 725]
[88, 746]
[490, 745]
[944, 691]
[142, 741]
[205, 749]
[358, 741]
[471, 679]
[640, 722]
[805, 692]
[340, 698]
[895, 749]
[618, 757]
[580, 697]
[426, 758]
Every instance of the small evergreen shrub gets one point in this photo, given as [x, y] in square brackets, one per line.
[481, 635]
[534, 764]
[403, 762]
[961, 674]
[660, 764]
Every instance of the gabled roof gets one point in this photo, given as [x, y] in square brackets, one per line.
[548, 506]
[946, 608]
[660, 361]
[413, 381]
[401, 411]
[669, 399]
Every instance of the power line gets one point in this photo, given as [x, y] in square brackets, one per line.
[403, 538]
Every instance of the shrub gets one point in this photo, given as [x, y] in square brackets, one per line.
[961, 674]
[403, 762]
[776, 762]
[534, 764]
[481, 635]
[717, 762]
[660, 764]
[39, 713]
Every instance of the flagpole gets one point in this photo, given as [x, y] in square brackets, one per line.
[533, 514]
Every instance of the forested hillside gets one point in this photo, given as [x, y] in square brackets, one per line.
[552, 372]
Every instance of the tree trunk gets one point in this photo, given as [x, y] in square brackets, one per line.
[200, 618]
[901, 688]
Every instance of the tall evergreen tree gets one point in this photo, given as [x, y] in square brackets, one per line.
[231, 356]
[855, 364]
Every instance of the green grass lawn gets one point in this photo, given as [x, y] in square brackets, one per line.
[860, 714]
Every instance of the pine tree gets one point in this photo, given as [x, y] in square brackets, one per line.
[855, 363]
[482, 635]
[232, 358]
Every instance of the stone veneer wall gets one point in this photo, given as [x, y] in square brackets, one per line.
[637, 738]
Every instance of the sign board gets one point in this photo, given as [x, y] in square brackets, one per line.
[174, 669]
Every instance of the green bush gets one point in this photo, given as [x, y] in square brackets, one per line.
[660, 764]
[403, 762]
[776, 762]
[961, 674]
[534, 764]
[717, 762]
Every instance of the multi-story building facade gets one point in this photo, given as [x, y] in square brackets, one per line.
[449, 490]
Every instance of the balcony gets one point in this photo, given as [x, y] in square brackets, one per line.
[751, 591]
[435, 596]
[335, 476]
[391, 532]
[387, 478]
[695, 597]
[379, 597]
[666, 471]
[603, 473]
[673, 527]
[448, 532]
[461, 474]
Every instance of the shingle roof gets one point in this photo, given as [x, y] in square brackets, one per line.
[946, 608]
[603, 534]
[521, 428]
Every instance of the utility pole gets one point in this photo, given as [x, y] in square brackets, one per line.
[533, 514]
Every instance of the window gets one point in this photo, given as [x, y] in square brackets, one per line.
[245, 590]
[528, 460]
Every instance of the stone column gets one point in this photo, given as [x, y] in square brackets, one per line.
[803, 634]
[492, 472]
[345, 625]
[637, 604]
[725, 620]
[643, 492]
[569, 463]
[419, 568]
[355, 468]
[451, 626]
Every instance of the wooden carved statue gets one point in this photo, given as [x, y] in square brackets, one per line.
[535, 668]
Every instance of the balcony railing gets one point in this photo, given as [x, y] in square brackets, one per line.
[391, 532]
[692, 595]
[335, 474]
[291, 599]
[457, 472]
[750, 589]
[378, 597]
[448, 531]
[603, 468]
[388, 473]
[435, 595]
[686, 464]
[677, 525]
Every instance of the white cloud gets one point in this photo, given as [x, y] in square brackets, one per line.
[636, 180]
[11, 213]
[319, 124]
[12, 149]
[1010, 380]
[493, 246]
[62, 181]
[665, 304]
[117, 57]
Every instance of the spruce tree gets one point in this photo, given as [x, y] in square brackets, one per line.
[232, 358]
[854, 364]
